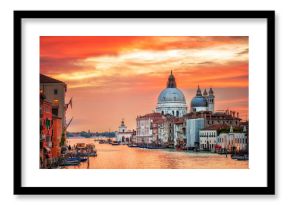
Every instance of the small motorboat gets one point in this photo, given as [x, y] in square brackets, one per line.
[102, 141]
[83, 159]
[240, 157]
[91, 150]
[132, 145]
[71, 161]
[92, 154]
[115, 143]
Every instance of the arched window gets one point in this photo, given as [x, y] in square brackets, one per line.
[162, 112]
[172, 112]
[177, 113]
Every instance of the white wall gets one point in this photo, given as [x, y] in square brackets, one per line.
[282, 96]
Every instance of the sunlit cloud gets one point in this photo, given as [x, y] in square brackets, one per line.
[146, 62]
[123, 67]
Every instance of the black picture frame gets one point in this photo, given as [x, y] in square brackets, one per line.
[268, 190]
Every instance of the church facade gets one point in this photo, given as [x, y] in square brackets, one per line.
[124, 135]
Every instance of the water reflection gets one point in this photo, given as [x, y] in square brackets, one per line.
[124, 157]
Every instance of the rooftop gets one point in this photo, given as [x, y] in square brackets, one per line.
[209, 115]
[216, 127]
[179, 120]
[151, 115]
[46, 79]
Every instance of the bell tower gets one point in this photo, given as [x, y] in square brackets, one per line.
[122, 127]
[211, 100]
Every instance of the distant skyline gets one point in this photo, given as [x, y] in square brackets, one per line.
[112, 77]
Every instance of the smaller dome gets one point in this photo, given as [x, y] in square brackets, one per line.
[198, 101]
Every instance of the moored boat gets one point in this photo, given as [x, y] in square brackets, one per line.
[115, 143]
[132, 145]
[83, 159]
[240, 157]
[91, 150]
[71, 161]
[102, 141]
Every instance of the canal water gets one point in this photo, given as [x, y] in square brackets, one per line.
[124, 157]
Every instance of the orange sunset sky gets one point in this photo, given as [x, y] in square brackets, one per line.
[113, 77]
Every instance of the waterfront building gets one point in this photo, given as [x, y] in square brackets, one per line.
[56, 137]
[245, 126]
[156, 125]
[54, 91]
[179, 133]
[165, 132]
[124, 135]
[208, 137]
[144, 131]
[162, 132]
[45, 132]
[233, 140]
[171, 100]
[133, 139]
[193, 126]
[203, 102]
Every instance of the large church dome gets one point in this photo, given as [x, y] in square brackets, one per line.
[171, 100]
[171, 95]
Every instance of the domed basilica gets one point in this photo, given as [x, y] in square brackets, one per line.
[172, 101]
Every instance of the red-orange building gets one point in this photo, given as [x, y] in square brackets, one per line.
[56, 136]
[52, 120]
[45, 131]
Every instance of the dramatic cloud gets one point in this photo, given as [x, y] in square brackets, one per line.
[120, 77]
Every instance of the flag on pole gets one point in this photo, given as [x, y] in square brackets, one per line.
[69, 103]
